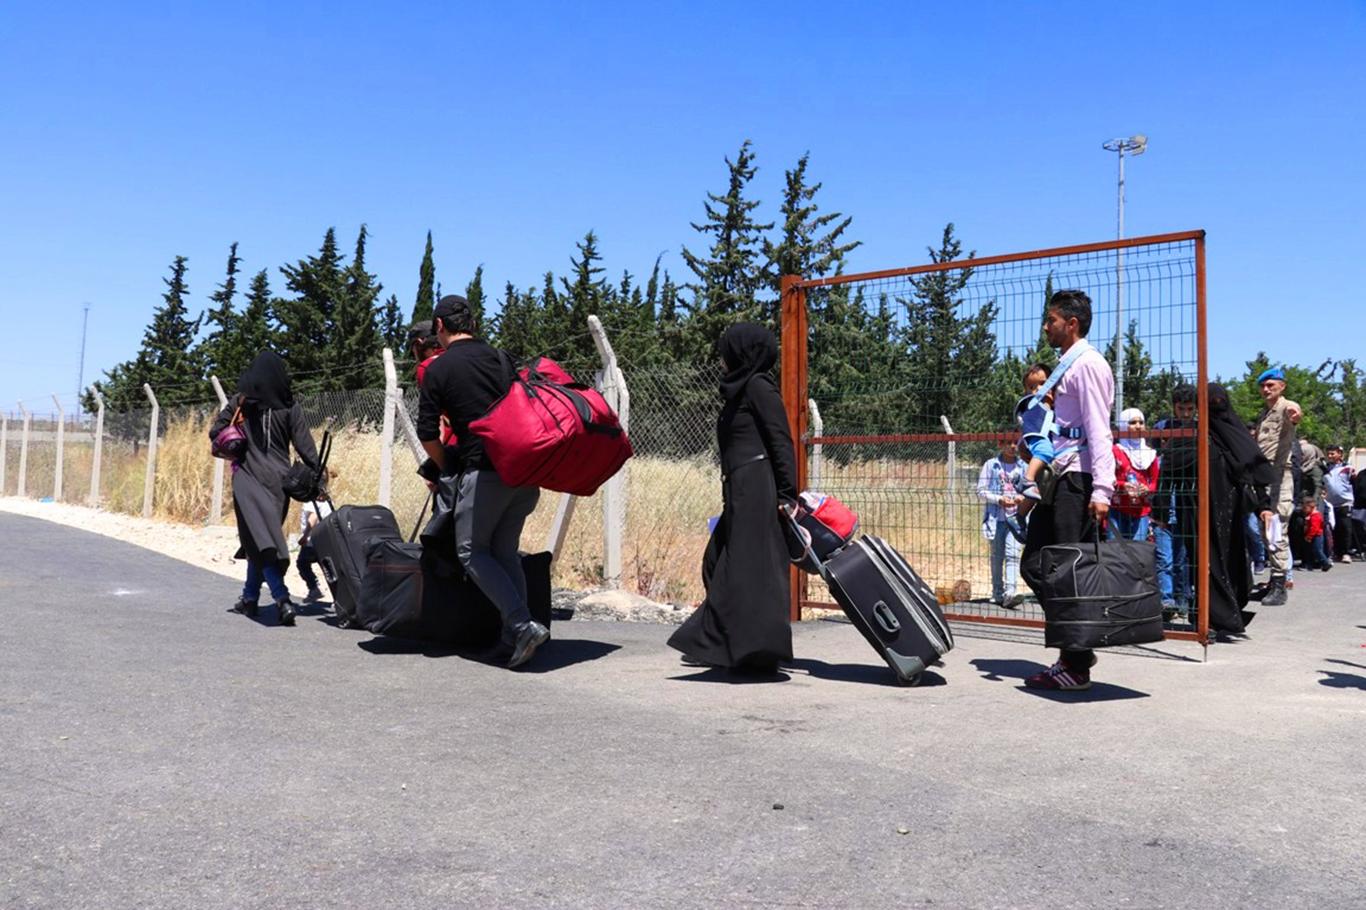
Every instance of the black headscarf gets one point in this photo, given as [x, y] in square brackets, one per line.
[266, 382]
[748, 350]
[1229, 432]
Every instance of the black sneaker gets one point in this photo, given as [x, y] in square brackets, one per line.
[530, 636]
[246, 607]
[286, 611]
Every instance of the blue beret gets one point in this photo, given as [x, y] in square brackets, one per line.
[1273, 373]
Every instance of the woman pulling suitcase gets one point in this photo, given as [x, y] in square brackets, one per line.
[271, 420]
[743, 621]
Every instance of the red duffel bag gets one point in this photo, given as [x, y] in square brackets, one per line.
[550, 431]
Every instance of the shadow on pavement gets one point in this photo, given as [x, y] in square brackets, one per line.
[1002, 670]
[868, 674]
[555, 654]
[1345, 663]
[1335, 680]
[732, 677]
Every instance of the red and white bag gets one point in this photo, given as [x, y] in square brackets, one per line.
[830, 522]
[550, 431]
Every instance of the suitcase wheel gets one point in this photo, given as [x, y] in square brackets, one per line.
[910, 683]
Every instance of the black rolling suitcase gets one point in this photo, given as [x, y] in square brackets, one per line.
[342, 540]
[890, 604]
[411, 594]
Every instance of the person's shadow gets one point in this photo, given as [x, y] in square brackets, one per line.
[995, 670]
[867, 674]
[555, 654]
[727, 676]
[1335, 680]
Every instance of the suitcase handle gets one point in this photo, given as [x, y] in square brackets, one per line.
[329, 570]
[886, 618]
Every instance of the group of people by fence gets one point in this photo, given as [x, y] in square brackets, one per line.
[1068, 478]
[1277, 502]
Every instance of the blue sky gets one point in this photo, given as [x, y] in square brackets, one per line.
[135, 132]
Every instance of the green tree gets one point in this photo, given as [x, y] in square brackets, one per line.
[354, 360]
[732, 273]
[426, 285]
[474, 293]
[254, 332]
[588, 294]
[221, 319]
[308, 320]
[809, 244]
[950, 356]
[392, 328]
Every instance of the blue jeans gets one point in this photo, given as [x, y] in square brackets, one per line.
[1320, 554]
[1128, 527]
[1256, 547]
[1005, 562]
[1173, 579]
[270, 574]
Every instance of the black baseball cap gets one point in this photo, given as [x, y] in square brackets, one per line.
[451, 305]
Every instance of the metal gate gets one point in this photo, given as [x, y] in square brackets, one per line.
[900, 384]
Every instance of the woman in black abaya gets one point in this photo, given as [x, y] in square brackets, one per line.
[272, 420]
[743, 622]
[1240, 477]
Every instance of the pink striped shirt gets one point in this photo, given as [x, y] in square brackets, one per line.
[1083, 398]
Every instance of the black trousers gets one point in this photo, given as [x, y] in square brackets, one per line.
[1066, 519]
[1342, 531]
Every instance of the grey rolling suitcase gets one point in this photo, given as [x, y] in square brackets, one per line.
[890, 604]
[342, 540]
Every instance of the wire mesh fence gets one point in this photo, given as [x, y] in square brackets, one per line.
[672, 484]
[915, 374]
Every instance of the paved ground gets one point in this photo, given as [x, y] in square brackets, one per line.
[156, 751]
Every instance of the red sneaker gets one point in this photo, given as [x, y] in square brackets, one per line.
[1060, 678]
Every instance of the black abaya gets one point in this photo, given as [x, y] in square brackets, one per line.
[743, 622]
[272, 421]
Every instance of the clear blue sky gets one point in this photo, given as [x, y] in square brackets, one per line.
[136, 132]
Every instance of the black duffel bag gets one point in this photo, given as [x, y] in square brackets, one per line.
[411, 594]
[1098, 594]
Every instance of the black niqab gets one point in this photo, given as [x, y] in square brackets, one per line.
[266, 382]
[1229, 432]
[748, 350]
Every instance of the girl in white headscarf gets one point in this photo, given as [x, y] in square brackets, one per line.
[1136, 468]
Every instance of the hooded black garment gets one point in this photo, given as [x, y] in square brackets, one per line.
[266, 383]
[274, 421]
[1239, 479]
[743, 622]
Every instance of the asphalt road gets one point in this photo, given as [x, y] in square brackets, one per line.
[157, 751]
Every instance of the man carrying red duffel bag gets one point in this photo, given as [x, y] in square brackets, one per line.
[464, 383]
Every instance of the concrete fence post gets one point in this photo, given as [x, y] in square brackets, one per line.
[952, 463]
[23, 450]
[216, 503]
[99, 446]
[61, 450]
[4, 449]
[405, 423]
[612, 384]
[386, 439]
[813, 470]
[150, 481]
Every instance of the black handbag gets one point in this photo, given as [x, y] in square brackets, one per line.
[1098, 594]
[303, 483]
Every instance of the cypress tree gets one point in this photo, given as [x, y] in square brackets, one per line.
[307, 321]
[810, 243]
[254, 332]
[730, 276]
[221, 319]
[354, 358]
[167, 360]
[392, 327]
[426, 285]
[588, 294]
[474, 293]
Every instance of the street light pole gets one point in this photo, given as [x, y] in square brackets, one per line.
[1134, 145]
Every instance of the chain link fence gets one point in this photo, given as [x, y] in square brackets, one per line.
[672, 485]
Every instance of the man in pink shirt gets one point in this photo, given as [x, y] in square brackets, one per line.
[1084, 464]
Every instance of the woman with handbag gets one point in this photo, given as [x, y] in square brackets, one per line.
[743, 621]
[269, 418]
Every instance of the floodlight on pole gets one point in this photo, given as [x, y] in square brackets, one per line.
[1136, 144]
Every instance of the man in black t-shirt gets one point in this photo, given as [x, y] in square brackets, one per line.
[463, 383]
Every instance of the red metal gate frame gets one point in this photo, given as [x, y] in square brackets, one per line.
[794, 387]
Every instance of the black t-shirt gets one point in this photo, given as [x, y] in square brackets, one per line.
[463, 384]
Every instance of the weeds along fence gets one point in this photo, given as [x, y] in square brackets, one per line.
[901, 384]
[650, 541]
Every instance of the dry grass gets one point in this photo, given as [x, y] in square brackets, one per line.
[668, 503]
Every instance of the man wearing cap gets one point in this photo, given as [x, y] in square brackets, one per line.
[463, 383]
[1276, 439]
[1337, 489]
